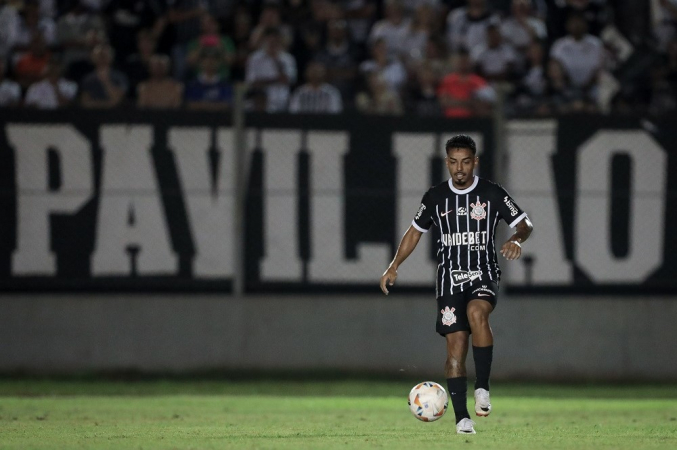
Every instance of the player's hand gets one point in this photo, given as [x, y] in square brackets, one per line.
[511, 250]
[389, 277]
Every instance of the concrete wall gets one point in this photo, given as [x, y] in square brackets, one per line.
[536, 338]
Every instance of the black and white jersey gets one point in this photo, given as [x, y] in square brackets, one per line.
[464, 223]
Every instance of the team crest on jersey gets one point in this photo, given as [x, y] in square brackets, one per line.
[448, 316]
[461, 212]
[477, 211]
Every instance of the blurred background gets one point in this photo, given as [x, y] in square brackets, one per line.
[191, 186]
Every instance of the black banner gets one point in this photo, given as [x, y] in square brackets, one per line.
[144, 201]
[601, 197]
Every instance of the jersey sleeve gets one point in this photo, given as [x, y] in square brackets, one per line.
[423, 219]
[508, 208]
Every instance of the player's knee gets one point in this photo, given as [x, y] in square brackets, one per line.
[477, 316]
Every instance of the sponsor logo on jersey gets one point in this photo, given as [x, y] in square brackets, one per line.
[420, 211]
[511, 206]
[464, 238]
[477, 211]
[448, 316]
[462, 276]
[462, 212]
[483, 291]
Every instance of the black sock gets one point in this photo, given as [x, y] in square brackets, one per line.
[483, 357]
[458, 391]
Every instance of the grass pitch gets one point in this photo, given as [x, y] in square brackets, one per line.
[264, 414]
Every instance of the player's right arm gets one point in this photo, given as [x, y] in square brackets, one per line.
[421, 224]
[407, 245]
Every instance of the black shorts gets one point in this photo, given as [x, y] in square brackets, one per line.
[451, 309]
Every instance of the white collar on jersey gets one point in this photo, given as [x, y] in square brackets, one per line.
[466, 190]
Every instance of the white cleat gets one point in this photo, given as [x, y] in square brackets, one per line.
[482, 402]
[465, 426]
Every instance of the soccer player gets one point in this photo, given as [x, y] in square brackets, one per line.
[463, 213]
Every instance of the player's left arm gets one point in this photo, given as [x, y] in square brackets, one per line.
[512, 249]
[515, 217]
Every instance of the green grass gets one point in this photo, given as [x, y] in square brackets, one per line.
[341, 414]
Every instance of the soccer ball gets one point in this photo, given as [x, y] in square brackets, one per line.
[428, 401]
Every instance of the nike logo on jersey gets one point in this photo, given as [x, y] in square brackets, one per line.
[461, 212]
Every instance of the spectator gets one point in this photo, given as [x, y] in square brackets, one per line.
[31, 65]
[436, 56]
[9, 29]
[160, 91]
[379, 98]
[665, 27]
[212, 39]
[463, 93]
[393, 29]
[316, 96]
[564, 98]
[410, 6]
[53, 91]
[308, 39]
[209, 91]
[241, 31]
[340, 59]
[420, 30]
[391, 69]
[272, 69]
[32, 23]
[580, 55]
[78, 69]
[256, 101]
[495, 60]
[423, 94]
[71, 33]
[47, 8]
[137, 65]
[467, 27]
[593, 12]
[530, 94]
[184, 17]
[271, 17]
[127, 18]
[105, 87]
[522, 27]
[359, 16]
[10, 91]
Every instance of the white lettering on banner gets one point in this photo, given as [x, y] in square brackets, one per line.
[328, 262]
[35, 202]
[280, 205]
[647, 206]
[130, 216]
[530, 146]
[414, 152]
[209, 205]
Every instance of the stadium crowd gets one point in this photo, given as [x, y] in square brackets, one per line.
[429, 57]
